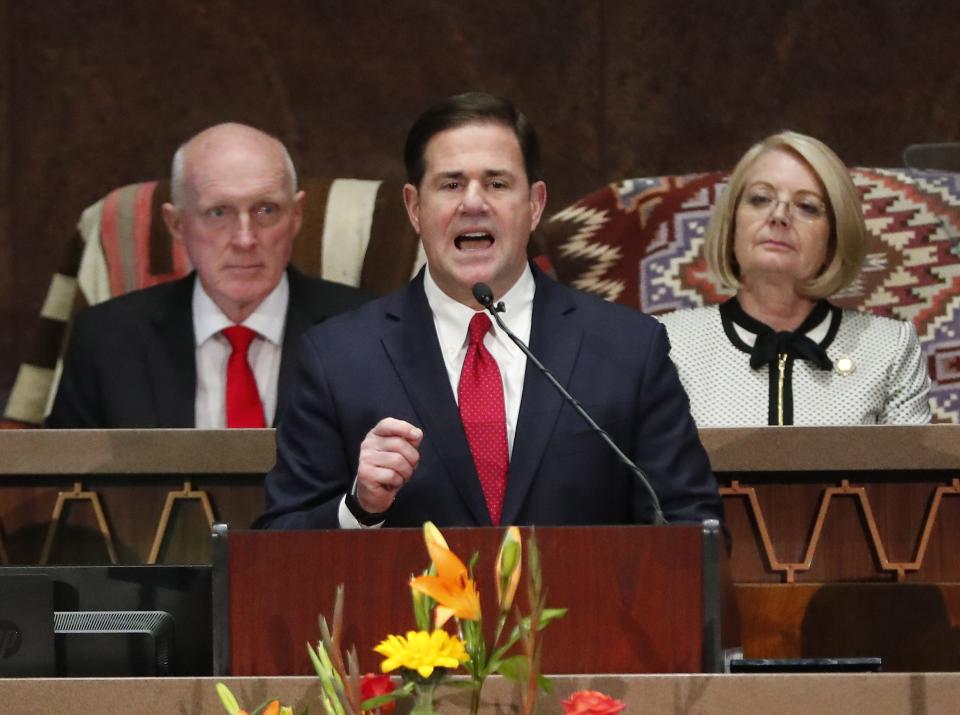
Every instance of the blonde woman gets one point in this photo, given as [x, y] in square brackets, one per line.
[787, 234]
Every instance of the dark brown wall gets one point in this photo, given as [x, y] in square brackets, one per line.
[10, 308]
[99, 93]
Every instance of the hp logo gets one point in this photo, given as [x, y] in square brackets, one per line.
[10, 639]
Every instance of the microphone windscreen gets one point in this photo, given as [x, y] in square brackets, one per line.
[483, 294]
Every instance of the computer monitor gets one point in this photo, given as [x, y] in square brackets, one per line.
[26, 626]
[120, 620]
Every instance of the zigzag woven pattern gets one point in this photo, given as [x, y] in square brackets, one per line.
[640, 242]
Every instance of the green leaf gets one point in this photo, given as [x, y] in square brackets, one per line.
[513, 668]
[373, 703]
[549, 615]
[533, 562]
[330, 681]
[327, 704]
[315, 659]
[502, 650]
[546, 684]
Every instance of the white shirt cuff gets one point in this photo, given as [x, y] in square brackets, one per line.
[348, 520]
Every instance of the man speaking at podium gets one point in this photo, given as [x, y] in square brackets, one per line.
[416, 407]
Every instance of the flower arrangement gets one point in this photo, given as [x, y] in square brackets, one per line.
[446, 592]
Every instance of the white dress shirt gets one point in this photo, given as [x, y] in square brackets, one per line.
[451, 318]
[213, 352]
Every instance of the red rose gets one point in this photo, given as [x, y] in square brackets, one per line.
[373, 686]
[590, 702]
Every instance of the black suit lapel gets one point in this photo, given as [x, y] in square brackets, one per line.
[302, 314]
[171, 360]
[414, 350]
[556, 342]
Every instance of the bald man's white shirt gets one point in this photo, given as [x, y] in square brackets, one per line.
[213, 350]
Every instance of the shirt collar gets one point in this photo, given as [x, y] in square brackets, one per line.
[820, 325]
[268, 320]
[451, 317]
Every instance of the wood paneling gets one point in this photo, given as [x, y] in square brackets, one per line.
[691, 86]
[787, 694]
[844, 603]
[10, 337]
[912, 627]
[634, 594]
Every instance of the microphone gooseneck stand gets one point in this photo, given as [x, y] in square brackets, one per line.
[484, 296]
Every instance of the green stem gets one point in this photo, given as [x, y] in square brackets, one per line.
[501, 620]
[475, 699]
[423, 705]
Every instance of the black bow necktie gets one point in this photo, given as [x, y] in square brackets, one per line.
[770, 344]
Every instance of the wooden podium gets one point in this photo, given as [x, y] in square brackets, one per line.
[641, 599]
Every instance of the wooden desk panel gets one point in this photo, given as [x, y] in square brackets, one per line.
[634, 594]
[902, 526]
[823, 694]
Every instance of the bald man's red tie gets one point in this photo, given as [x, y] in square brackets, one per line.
[244, 408]
[484, 418]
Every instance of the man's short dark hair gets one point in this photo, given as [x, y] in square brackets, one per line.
[463, 109]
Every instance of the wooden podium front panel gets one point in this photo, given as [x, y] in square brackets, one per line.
[634, 594]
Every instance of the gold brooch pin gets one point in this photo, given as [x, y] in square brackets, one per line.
[844, 366]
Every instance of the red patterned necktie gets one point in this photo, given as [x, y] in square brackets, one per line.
[483, 415]
[244, 408]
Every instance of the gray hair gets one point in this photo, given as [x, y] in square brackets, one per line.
[178, 185]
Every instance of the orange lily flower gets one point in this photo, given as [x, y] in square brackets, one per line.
[452, 588]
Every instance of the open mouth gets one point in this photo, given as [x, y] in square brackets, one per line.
[476, 241]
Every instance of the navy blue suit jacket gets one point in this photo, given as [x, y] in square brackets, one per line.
[384, 360]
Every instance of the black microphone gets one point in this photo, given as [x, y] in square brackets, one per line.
[484, 296]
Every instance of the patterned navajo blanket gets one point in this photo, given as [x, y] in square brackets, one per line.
[640, 242]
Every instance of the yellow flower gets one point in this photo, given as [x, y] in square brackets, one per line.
[508, 568]
[422, 651]
[452, 588]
